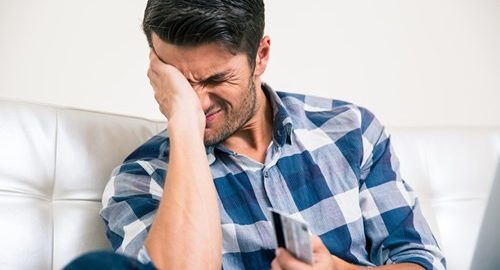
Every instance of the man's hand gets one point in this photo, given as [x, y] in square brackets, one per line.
[174, 94]
[322, 259]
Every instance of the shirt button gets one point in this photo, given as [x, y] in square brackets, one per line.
[266, 174]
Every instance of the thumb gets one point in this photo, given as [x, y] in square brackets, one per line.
[288, 261]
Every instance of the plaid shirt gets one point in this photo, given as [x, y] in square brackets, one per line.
[330, 163]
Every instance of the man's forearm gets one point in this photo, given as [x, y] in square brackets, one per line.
[186, 232]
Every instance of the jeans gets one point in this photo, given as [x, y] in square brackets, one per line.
[107, 260]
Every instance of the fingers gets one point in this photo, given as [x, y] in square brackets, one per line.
[153, 79]
[153, 72]
[287, 261]
[152, 55]
[172, 89]
[275, 265]
[153, 63]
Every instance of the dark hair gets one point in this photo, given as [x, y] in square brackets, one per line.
[236, 25]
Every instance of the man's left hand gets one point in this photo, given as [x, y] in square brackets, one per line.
[322, 259]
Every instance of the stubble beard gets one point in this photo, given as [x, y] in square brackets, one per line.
[235, 119]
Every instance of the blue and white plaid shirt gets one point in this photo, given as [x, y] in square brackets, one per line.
[330, 163]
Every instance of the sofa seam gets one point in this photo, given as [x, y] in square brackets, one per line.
[53, 186]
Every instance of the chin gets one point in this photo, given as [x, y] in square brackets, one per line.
[209, 138]
[213, 137]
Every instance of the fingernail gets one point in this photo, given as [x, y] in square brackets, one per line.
[277, 252]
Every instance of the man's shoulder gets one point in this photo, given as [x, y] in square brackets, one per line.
[311, 102]
[155, 148]
[320, 110]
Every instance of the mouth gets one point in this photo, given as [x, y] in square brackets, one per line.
[211, 116]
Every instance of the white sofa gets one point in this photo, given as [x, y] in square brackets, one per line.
[55, 162]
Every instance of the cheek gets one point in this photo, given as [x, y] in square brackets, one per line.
[228, 97]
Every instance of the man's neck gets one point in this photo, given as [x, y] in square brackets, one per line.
[253, 139]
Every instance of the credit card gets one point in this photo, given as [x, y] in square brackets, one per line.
[293, 235]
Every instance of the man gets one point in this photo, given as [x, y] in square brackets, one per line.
[196, 195]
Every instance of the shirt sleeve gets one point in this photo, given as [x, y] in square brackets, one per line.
[395, 227]
[130, 202]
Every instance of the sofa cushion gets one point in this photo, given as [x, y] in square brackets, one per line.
[54, 164]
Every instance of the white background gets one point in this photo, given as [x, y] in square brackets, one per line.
[413, 63]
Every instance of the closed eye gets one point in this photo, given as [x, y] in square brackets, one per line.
[212, 82]
[218, 78]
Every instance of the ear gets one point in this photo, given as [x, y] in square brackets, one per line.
[262, 56]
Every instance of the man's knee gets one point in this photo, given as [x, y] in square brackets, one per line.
[106, 260]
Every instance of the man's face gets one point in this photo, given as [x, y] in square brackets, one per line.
[223, 82]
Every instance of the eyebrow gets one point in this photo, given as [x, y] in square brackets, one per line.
[217, 77]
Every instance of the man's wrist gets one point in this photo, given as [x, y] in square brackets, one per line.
[184, 129]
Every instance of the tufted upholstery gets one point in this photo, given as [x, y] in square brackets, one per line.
[55, 162]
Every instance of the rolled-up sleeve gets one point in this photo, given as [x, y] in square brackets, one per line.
[130, 202]
[395, 228]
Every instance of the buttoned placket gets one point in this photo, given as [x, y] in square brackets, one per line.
[274, 184]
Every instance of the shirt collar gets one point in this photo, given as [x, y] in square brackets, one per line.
[282, 124]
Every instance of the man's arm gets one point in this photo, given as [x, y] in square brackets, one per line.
[395, 227]
[186, 231]
[323, 260]
[398, 236]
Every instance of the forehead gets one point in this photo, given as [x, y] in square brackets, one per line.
[198, 60]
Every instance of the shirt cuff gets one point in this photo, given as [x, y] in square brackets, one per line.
[143, 256]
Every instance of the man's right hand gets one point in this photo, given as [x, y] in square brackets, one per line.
[175, 96]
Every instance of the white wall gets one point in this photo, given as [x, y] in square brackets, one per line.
[414, 63]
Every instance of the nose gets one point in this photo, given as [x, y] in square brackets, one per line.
[203, 96]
